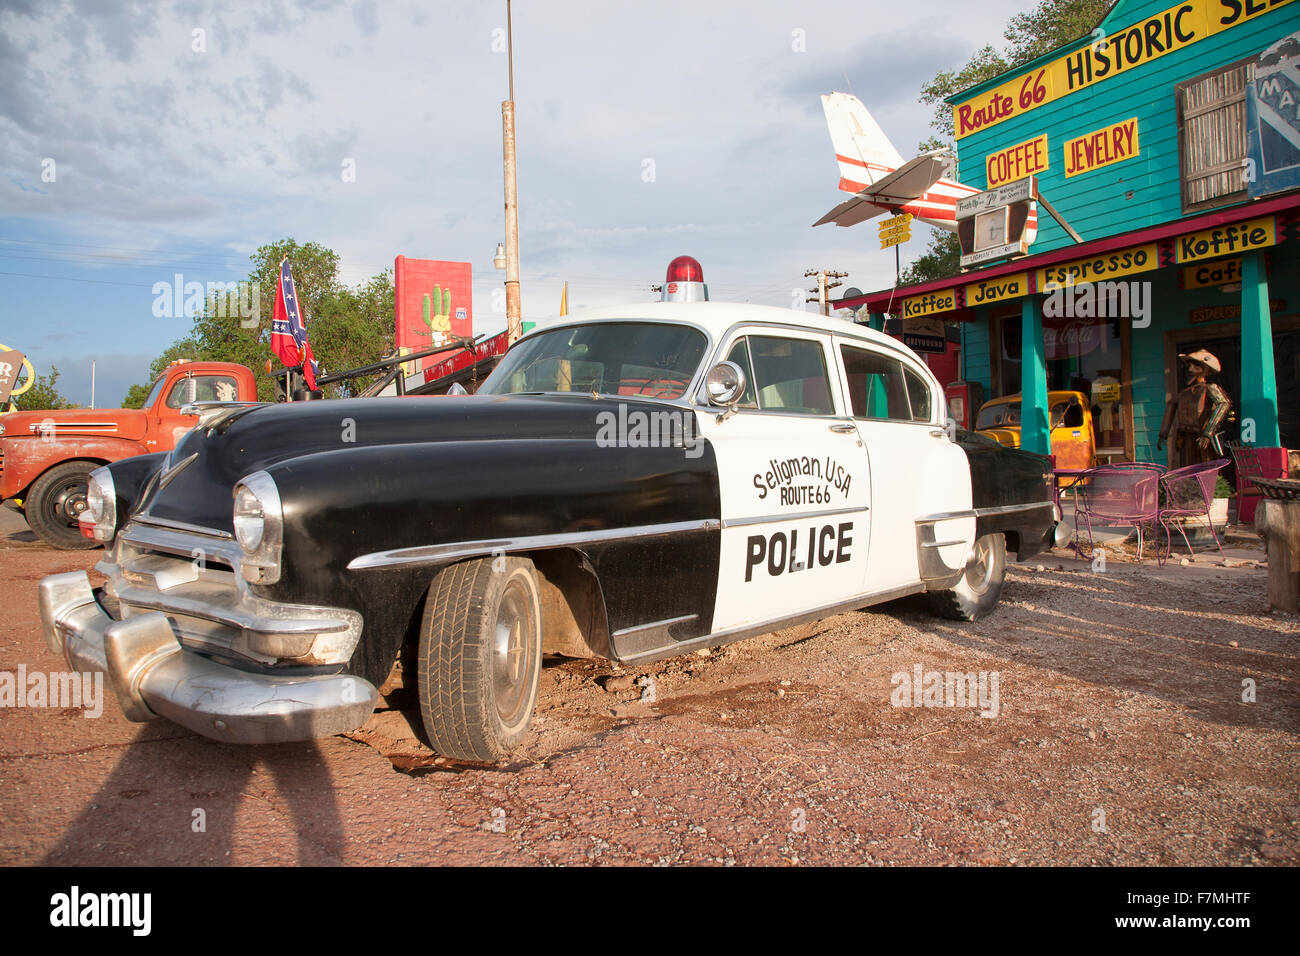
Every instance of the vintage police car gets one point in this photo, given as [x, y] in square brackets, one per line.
[642, 482]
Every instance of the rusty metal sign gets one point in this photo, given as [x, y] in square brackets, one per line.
[11, 366]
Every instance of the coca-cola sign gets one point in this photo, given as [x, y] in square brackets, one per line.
[1063, 338]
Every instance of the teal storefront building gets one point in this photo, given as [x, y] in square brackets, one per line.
[1168, 141]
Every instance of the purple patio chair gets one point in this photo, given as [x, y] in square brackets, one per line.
[1126, 494]
[1188, 493]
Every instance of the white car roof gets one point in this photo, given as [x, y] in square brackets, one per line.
[718, 317]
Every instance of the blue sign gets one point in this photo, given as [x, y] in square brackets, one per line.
[1273, 120]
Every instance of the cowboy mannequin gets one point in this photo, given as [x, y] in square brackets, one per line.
[1197, 414]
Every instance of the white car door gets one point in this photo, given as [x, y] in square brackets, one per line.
[793, 479]
[918, 474]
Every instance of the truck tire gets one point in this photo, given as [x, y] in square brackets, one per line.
[55, 500]
[479, 657]
[980, 587]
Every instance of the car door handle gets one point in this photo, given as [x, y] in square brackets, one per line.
[844, 428]
[938, 433]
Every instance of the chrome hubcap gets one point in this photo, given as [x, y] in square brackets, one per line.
[979, 570]
[512, 652]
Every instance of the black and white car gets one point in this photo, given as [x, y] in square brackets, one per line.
[638, 483]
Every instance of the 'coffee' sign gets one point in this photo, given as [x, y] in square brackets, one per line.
[1016, 162]
[932, 303]
[1224, 240]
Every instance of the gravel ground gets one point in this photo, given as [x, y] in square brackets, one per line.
[1121, 737]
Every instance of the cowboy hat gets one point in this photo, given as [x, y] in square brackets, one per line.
[1205, 358]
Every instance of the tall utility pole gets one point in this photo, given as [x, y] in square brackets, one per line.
[514, 320]
[820, 294]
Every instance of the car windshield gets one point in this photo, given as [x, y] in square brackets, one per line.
[153, 392]
[993, 416]
[646, 359]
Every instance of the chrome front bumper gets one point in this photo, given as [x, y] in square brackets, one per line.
[153, 676]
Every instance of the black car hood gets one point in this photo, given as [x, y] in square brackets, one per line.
[200, 492]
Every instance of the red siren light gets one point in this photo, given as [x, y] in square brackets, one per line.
[684, 281]
[685, 269]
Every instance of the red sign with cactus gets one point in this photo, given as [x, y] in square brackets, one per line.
[434, 304]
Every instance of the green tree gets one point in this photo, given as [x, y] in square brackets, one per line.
[942, 258]
[43, 394]
[135, 396]
[355, 327]
[346, 327]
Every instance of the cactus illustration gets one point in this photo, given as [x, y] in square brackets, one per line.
[437, 314]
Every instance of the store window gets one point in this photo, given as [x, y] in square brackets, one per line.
[1082, 355]
[1212, 136]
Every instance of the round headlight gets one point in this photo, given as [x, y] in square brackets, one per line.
[100, 514]
[94, 502]
[250, 519]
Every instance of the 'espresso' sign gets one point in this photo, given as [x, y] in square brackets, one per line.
[1110, 55]
[1142, 258]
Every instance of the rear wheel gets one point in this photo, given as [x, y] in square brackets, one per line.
[976, 594]
[479, 657]
[56, 500]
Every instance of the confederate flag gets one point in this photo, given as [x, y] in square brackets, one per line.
[289, 328]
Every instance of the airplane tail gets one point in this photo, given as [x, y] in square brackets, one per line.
[862, 149]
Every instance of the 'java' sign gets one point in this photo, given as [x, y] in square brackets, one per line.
[1109, 55]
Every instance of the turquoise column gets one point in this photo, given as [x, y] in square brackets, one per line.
[877, 321]
[1035, 434]
[1258, 374]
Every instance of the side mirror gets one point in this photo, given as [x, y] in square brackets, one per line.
[457, 389]
[725, 384]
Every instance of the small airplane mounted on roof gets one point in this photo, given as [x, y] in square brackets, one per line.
[881, 183]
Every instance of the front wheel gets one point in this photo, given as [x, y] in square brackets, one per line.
[479, 657]
[55, 502]
[980, 586]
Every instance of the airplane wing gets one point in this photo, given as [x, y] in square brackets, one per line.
[851, 212]
[907, 182]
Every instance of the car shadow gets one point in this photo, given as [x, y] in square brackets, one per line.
[1125, 632]
[177, 800]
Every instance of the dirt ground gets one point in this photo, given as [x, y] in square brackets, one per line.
[1121, 736]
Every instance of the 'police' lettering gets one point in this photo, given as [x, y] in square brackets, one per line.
[780, 552]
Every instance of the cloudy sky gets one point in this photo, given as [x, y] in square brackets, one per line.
[140, 140]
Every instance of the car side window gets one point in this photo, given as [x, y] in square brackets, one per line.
[877, 388]
[918, 392]
[790, 375]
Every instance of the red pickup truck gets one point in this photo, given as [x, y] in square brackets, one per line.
[46, 456]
